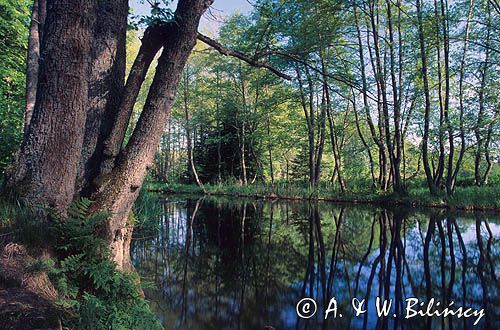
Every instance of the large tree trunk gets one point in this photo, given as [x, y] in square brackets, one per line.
[46, 168]
[118, 192]
[106, 81]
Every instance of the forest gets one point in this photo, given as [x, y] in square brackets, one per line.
[361, 96]
[380, 102]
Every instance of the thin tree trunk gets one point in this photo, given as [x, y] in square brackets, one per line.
[327, 105]
[396, 151]
[317, 151]
[425, 138]
[243, 129]
[219, 130]
[336, 151]
[270, 149]
[451, 145]
[461, 97]
[38, 13]
[366, 106]
[481, 113]
[188, 131]
[441, 159]
[321, 143]
[363, 140]
[310, 129]
[383, 111]
[489, 134]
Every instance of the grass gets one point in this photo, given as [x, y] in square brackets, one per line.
[467, 198]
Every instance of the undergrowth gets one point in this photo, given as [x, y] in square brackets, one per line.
[88, 283]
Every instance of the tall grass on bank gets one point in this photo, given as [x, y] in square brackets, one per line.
[469, 197]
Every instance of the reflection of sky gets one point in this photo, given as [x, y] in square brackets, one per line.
[200, 291]
[469, 236]
[212, 20]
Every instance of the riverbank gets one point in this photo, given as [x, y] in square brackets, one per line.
[471, 198]
[57, 274]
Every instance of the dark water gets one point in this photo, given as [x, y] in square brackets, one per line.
[244, 264]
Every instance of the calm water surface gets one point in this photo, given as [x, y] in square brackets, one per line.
[220, 263]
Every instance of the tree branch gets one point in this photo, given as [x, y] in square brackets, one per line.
[234, 53]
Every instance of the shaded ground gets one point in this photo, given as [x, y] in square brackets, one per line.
[26, 298]
[22, 309]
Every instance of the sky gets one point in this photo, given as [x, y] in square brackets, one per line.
[212, 20]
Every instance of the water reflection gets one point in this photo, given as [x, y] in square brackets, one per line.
[244, 264]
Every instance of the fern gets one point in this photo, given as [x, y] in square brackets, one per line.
[89, 283]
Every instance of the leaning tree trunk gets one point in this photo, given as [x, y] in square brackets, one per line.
[119, 191]
[46, 168]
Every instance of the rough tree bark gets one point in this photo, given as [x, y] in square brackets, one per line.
[112, 144]
[106, 80]
[47, 165]
[119, 191]
[73, 144]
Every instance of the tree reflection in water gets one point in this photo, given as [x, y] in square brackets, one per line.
[221, 263]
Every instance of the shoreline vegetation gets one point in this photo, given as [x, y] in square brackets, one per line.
[471, 198]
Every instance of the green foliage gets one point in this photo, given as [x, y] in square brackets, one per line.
[160, 12]
[88, 281]
[237, 110]
[146, 211]
[14, 19]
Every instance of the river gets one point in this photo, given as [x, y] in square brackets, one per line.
[233, 263]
